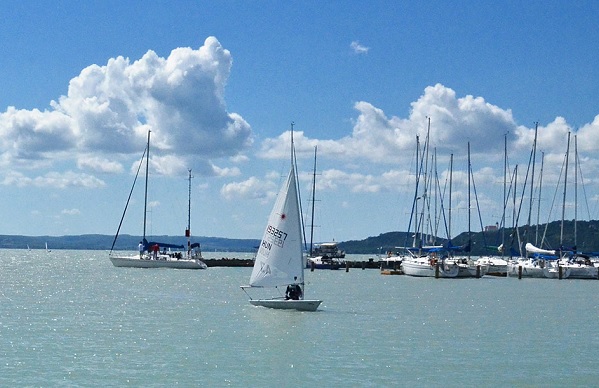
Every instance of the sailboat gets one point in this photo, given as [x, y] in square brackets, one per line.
[532, 262]
[47, 250]
[149, 252]
[279, 261]
[424, 261]
[574, 265]
[323, 255]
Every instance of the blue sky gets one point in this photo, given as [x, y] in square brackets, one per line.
[219, 83]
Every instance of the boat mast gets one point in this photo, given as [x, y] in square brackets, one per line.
[576, 161]
[515, 231]
[561, 236]
[504, 194]
[146, 189]
[469, 180]
[450, 189]
[425, 197]
[313, 201]
[292, 145]
[188, 230]
[539, 202]
[416, 197]
[532, 177]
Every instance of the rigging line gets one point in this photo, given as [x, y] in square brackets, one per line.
[478, 209]
[299, 195]
[442, 204]
[559, 180]
[128, 199]
[539, 201]
[414, 201]
[561, 238]
[532, 177]
[523, 192]
[584, 191]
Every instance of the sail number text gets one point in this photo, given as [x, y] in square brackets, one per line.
[277, 236]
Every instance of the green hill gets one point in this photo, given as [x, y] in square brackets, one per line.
[487, 242]
[482, 242]
[124, 242]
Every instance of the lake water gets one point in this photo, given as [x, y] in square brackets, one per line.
[69, 318]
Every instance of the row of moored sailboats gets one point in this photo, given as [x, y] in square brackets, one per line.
[448, 261]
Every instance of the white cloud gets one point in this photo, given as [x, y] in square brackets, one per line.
[53, 180]
[378, 138]
[240, 158]
[27, 136]
[588, 136]
[71, 212]
[108, 110]
[358, 48]
[168, 165]
[99, 164]
[226, 171]
[252, 188]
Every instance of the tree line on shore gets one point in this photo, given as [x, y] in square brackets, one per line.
[483, 243]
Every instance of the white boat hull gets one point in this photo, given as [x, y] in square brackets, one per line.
[495, 266]
[581, 271]
[287, 304]
[321, 262]
[553, 272]
[424, 269]
[161, 262]
[530, 269]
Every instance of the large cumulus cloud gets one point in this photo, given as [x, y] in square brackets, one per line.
[379, 138]
[379, 141]
[109, 109]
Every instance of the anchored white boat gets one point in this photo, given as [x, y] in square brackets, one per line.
[150, 255]
[429, 266]
[160, 261]
[495, 266]
[279, 262]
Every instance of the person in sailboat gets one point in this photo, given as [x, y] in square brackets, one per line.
[294, 291]
[141, 249]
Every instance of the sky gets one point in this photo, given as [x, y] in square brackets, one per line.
[219, 85]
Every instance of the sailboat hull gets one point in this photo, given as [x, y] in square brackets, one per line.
[136, 262]
[422, 268]
[284, 304]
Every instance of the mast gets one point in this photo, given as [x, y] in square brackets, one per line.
[514, 223]
[469, 179]
[532, 177]
[576, 161]
[436, 216]
[425, 196]
[539, 202]
[450, 184]
[188, 230]
[292, 153]
[313, 202]
[561, 236]
[504, 194]
[146, 189]
[416, 197]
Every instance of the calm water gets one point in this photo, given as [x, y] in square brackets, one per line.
[69, 318]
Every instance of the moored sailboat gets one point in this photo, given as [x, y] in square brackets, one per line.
[150, 255]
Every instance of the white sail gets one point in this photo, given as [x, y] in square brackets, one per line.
[279, 259]
[532, 249]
